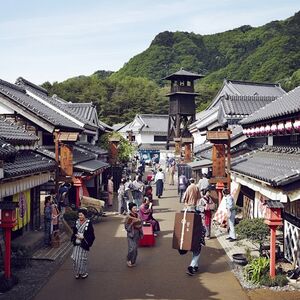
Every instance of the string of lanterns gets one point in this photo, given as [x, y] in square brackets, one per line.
[275, 128]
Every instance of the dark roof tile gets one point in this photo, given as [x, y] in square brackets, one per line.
[28, 162]
[14, 134]
[288, 104]
[18, 96]
[275, 165]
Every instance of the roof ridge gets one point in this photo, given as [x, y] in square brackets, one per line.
[12, 86]
[249, 97]
[253, 82]
[22, 81]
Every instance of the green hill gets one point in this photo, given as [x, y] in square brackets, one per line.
[269, 53]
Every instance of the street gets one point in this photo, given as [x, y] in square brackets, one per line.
[160, 271]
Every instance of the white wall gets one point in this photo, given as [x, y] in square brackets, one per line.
[198, 138]
[4, 109]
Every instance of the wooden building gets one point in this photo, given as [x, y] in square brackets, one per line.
[272, 172]
[22, 173]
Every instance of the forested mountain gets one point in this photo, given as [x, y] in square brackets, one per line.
[270, 53]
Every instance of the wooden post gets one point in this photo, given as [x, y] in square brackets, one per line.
[272, 250]
[187, 153]
[56, 143]
[7, 263]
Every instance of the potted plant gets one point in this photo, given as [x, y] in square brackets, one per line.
[254, 230]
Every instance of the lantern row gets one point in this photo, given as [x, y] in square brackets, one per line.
[275, 128]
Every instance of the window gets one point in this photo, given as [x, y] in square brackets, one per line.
[160, 138]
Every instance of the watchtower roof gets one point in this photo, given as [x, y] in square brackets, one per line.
[183, 74]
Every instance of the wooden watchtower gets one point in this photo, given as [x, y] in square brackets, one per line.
[182, 107]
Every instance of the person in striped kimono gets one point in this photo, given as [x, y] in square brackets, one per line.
[82, 238]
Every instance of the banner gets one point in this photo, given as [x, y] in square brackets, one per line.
[23, 211]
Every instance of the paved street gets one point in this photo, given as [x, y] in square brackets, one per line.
[160, 271]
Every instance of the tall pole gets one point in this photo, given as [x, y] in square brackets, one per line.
[56, 143]
[7, 263]
[272, 250]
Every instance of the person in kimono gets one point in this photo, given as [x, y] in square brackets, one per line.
[82, 238]
[159, 181]
[205, 206]
[121, 198]
[133, 227]
[110, 190]
[47, 221]
[172, 172]
[146, 215]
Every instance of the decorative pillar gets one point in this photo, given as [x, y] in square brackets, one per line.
[8, 221]
[219, 187]
[273, 219]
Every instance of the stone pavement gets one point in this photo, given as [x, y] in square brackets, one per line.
[160, 271]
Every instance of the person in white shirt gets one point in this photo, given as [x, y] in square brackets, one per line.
[159, 180]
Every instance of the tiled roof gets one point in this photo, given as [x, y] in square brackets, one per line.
[288, 104]
[83, 112]
[28, 162]
[88, 112]
[80, 156]
[22, 82]
[7, 151]
[19, 97]
[275, 165]
[241, 106]
[255, 88]
[118, 126]
[154, 123]
[93, 148]
[245, 88]
[183, 73]
[14, 134]
[91, 165]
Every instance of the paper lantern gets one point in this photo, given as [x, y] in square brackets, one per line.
[262, 130]
[268, 129]
[288, 126]
[297, 125]
[280, 127]
[251, 131]
[256, 131]
[274, 128]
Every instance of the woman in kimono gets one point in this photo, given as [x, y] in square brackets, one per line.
[146, 215]
[133, 226]
[110, 190]
[205, 206]
[82, 238]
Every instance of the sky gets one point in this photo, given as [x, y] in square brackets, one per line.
[53, 40]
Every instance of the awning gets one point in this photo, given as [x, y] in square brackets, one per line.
[91, 165]
[19, 185]
[203, 163]
[268, 191]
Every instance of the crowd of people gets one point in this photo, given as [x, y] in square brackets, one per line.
[135, 200]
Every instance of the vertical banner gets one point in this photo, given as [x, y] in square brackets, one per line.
[23, 211]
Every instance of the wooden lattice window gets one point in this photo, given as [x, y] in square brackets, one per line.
[292, 243]
[248, 208]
